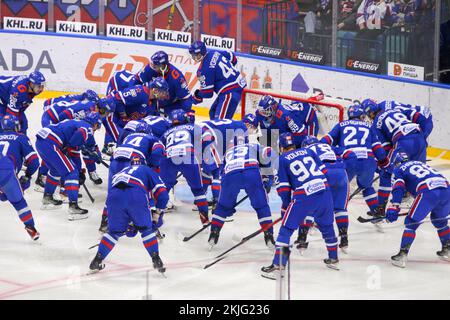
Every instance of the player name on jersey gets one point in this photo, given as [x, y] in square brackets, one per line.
[118, 31]
[12, 23]
[76, 27]
[172, 36]
[218, 42]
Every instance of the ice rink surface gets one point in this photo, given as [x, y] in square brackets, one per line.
[56, 266]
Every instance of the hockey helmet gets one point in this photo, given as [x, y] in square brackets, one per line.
[10, 123]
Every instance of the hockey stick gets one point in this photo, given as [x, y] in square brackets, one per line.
[365, 220]
[244, 240]
[360, 189]
[88, 193]
[207, 225]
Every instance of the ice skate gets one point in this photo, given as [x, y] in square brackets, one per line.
[103, 224]
[96, 264]
[343, 245]
[268, 238]
[332, 263]
[271, 272]
[400, 259]
[94, 177]
[301, 243]
[157, 263]
[40, 183]
[34, 234]
[77, 213]
[444, 254]
[213, 238]
[49, 202]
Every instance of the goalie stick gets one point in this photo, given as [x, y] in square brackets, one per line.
[207, 225]
[244, 240]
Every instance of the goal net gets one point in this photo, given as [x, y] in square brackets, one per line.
[328, 112]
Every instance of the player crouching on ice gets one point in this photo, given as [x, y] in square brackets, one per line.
[128, 202]
[301, 172]
[15, 149]
[432, 194]
[241, 171]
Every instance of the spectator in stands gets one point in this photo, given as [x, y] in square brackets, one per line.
[348, 14]
[371, 14]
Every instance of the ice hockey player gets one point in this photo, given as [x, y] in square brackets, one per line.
[134, 103]
[17, 93]
[76, 109]
[140, 143]
[158, 126]
[121, 80]
[218, 74]
[222, 132]
[59, 147]
[184, 150]
[128, 202]
[360, 149]
[88, 95]
[304, 191]
[15, 150]
[179, 96]
[241, 170]
[396, 134]
[339, 186]
[273, 116]
[432, 194]
[416, 114]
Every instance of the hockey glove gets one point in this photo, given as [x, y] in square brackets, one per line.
[157, 218]
[25, 182]
[392, 213]
[196, 97]
[383, 164]
[82, 178]
[267, 183]
[2, 196]
[131, 230]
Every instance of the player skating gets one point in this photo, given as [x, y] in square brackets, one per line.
[304, 191]
[432, 195]
[15, 150]
[17, 94]
[59, 147]
[217, 73]
[129, 202]
[241, 170]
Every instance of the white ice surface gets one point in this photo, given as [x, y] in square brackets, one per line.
[55, 267]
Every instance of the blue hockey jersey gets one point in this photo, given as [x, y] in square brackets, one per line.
[415, 177]
[217, 73]
[121, 80]
[69, 133]
[133, 103]
[285, 119]
[143, 145]
[391, 125]
[416, 114]
[355, 138]
[179, 94]
[64, 98]
[222, 133]
[247, 156]
[300, 173]
[144, 178]
[14, 95]
[327, 155]
[158, 124]
[18, 149]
